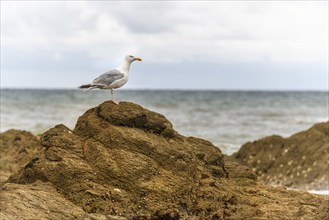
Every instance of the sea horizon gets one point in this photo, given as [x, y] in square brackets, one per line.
[173, 89]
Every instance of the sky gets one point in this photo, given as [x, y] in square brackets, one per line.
[222, 45]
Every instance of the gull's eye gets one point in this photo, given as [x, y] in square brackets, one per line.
[131, 56]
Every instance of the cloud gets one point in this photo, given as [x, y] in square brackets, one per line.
[78, 38]
[142, 17]
[171, 31]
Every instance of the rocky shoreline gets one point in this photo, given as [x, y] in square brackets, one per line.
[126, 162]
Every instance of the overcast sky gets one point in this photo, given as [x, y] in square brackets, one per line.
[254, 45]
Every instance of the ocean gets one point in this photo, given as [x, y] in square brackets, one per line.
[226, 118]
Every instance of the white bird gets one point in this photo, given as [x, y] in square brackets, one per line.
[113, 79]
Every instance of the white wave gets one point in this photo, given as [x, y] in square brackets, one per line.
[320, 192]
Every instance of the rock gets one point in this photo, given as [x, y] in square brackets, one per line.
[17, 149]
[299, 161]
[126, 162]
[35, 202]
[40, 200]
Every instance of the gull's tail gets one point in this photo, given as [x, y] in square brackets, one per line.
[87, 87]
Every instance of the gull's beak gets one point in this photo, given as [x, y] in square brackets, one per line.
[139, 59]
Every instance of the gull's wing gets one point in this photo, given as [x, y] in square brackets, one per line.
[107, 78]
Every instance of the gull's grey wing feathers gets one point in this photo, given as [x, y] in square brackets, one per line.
[107, 78]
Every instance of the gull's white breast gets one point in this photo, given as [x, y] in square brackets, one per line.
[120, 82]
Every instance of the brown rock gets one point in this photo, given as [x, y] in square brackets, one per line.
[17, 149]
[300, 161]
[124, 164]
[33, 201]
[123, 161]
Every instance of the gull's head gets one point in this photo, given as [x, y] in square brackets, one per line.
[131, 58]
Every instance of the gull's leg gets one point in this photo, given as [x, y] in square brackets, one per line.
[113, 97]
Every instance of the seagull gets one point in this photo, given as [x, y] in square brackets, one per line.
[114, 78]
